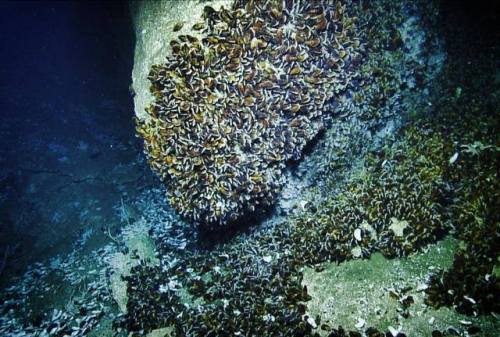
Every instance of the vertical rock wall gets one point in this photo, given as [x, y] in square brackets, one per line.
[154, 22]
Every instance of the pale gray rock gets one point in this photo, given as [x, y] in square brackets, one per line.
[153, 24]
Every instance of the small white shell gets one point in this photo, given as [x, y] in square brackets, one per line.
[454, 158]
[357, 234]
[470, 299]
[360, 324]
[394, 332]
[312, 322]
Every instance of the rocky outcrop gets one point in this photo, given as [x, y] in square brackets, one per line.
[228, 96]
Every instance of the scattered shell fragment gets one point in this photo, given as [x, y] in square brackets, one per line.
[312, 322]
[453, 158]
[398, 226]
[198, 26]
[178, 26]
[470, 299]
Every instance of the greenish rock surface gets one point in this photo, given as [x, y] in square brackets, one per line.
[163, 332]
[358, 294]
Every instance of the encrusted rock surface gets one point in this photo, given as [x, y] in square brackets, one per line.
[233, 106]
[154, 22]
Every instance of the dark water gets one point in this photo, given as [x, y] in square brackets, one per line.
[77, 195]
[66, 123]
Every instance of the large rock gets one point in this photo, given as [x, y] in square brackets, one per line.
[223, 110]
[153, 23]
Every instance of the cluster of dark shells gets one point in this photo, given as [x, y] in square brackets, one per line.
[400, 184]
[247, 288]
[233, 108]
[224, 293]
[472, 284]
[252, 285]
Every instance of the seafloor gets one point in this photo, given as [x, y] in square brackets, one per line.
[388, 226]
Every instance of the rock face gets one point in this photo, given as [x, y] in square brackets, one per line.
[154, 22]
[227, 94]
[231, 109]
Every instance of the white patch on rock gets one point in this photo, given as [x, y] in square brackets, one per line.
[394, 332]
[356, 252]
[398, 226]
[369, 229]
[361, 323]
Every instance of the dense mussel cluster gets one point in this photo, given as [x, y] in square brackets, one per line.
[472, 284]
[233, 290]
[396, 199]
[233, 108]
[252, 286]
[390, 204]
[470, 120]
